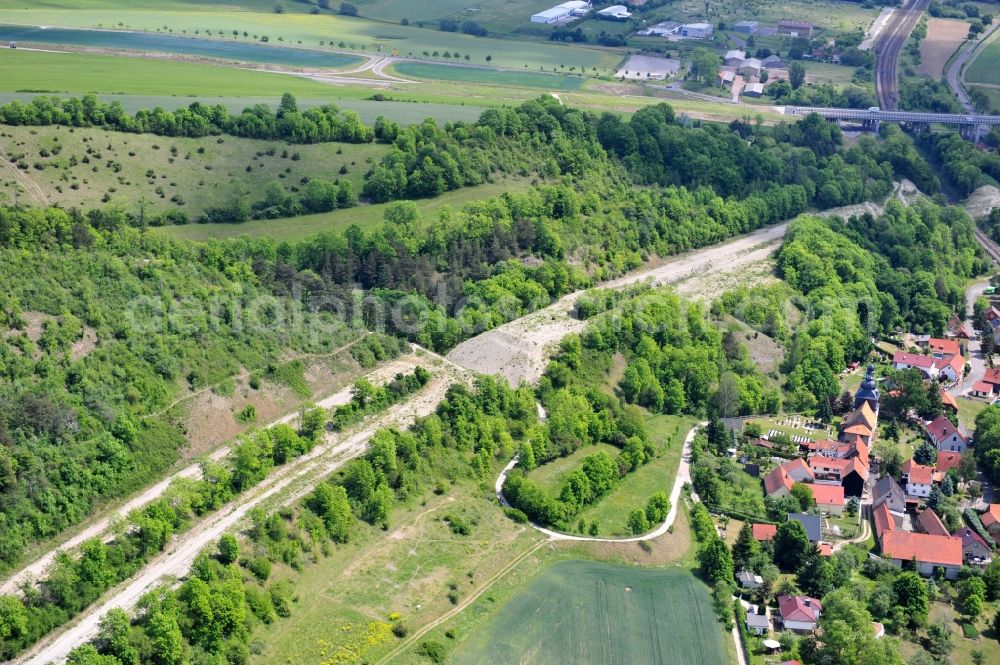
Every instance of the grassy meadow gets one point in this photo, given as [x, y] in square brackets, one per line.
[488, 76]
[87, 167]
[590, 613]
[366, 216]
[985, 67]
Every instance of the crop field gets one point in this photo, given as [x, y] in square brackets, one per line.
[985, 68]
[944, 36]
[483, 75]
[590, 613]
[86, 167]
[365, 216]
[80, 73]
[355, 34]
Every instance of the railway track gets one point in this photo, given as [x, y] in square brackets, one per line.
[887, 49]
[991, 247]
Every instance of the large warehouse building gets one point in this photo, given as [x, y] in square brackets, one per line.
[562, 12]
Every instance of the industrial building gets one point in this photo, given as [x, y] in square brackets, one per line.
[696, 30]
[746, 27]
[795, 28]
[566, 10]
[615, 13]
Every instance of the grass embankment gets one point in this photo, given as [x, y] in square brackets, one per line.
[86, 167]
[366, 216]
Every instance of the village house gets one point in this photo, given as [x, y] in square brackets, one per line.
[813, 525]
[917, 361]
[749, 580]
[992, 377]
[764, 532]
[946, 436]
[981, 389]
[829, 498]
[947, 460]
[799, 613]
[930, 552]
[917, 479]
[885, 520]
[951, 368]
[975, 550]
[928, 522]
[779, 482]
[759, 623]
[957, 329]
[991, 520]
[887, 491]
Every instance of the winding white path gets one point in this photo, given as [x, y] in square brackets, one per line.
[683, 476]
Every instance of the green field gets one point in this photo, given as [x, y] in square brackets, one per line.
[303, 29]
[488, 76]
[985, 68]
[836, 15]
[199, 171]
[589, 613]
[611, 512]
[80, 73]
[296, 228]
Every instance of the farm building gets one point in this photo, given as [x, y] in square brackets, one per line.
[726, 77]
[750, 67]
[562, 12]
[795, 28]
[753, 89]
[746, 27]
[615, 13]
[735, 57]
[696, 30]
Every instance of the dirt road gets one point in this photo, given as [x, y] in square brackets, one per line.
[294, 480]
[101, 527]
[519, 350]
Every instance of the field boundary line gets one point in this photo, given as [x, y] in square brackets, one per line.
[461, 606]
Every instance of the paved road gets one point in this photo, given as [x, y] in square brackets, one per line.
[955, 75]
[683, 476]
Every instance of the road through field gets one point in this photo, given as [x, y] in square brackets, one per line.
[956, 74]
[517, 350]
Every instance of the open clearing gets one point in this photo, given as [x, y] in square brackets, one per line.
[365, 216]
[944, 36]
[829, 14]
[83, 166]
[485, 75]
[587, 613]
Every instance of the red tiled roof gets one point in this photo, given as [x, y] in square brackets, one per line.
[947, 399]
[956, 362]
[764, 531]
[798, 608]
[859, 429]
[917, 473]
[913, 360]
[777, 479]
[948, 347]
[931, 524]
[925, 548]
[941, 428]
[992, 375]
[825, 549]
[798, 464]
[863, 414]
[884, 521]
[837, 464]
[981, 387]
[830, 495]
[992, 515]
[947, 460]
